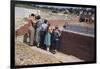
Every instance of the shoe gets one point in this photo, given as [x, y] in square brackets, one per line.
[48, 49]
[53, 52]
[38, 45]
[56, 51]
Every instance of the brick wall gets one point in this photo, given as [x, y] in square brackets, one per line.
[80, 46]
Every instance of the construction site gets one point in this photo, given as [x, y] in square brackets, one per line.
[77, 39]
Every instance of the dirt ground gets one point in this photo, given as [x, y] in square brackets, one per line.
[24, 55]
[31, 55]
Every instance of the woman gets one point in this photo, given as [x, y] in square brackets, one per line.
[38, 29]
[47, 40]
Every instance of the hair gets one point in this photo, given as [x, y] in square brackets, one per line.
[48, 28]
[38, 17]
[56, 27]
[32, 14]
[45, 21]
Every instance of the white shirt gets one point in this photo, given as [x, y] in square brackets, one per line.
[44, 26]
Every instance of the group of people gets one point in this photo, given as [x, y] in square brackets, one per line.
[42, 34]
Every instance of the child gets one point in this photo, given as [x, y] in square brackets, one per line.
[56, 39]
[47, 40]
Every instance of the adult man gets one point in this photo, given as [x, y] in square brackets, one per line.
[31, 29]
[43, 32]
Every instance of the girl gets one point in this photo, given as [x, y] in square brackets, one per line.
[47, 40]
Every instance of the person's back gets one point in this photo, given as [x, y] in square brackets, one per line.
[44, 26]
[38, 29]
[39, 23]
